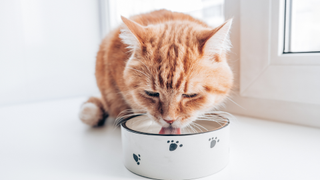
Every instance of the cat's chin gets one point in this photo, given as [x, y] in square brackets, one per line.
[170, 130]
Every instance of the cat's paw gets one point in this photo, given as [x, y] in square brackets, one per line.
[90, 114]
[173, 145]
[213, 142]
[137, 158]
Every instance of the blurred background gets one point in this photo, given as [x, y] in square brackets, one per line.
[48, 49]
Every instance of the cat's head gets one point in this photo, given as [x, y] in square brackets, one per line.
[178, 69]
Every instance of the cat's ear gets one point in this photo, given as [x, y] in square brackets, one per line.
[217, 40]
[132, 35]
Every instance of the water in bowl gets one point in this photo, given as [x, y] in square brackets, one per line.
[212, 122]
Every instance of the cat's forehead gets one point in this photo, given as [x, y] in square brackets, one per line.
[172, 46]
[181, 34]
[179, 77]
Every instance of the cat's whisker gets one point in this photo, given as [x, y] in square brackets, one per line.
[235, 103]
[122, 118]
[212, 118]
[219, 122]
[219, 114]
[187, 129]
[226, 115]
[124, 112]
[184, 129]
[127, 115]
[200, 126]
[191, 130]
[215, 120]
[194, 131]
[191, 125]
[196, 127]
[131, 111]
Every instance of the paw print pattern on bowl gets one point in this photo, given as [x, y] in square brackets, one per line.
[214, 141]
[137, 158]
[174, 145]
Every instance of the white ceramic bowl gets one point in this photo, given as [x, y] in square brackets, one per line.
[169, 156]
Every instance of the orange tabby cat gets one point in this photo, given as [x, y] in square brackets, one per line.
[167, 64]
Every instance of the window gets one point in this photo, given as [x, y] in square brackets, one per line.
[302, 26]
[283, 83]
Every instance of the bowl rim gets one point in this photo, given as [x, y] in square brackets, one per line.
[123, 124]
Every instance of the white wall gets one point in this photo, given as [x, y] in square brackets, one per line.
[47, 49]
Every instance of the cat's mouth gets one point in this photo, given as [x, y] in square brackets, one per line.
[170, 130]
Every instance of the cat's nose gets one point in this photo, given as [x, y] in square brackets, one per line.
[169, 121]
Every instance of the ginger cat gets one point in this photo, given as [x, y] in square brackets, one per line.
[167, 64]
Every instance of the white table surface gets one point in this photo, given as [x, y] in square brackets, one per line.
[46, 140]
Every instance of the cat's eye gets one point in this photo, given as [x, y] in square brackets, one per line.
[152, 94]
[189, 95]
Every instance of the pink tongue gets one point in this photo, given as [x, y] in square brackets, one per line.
[170, 130]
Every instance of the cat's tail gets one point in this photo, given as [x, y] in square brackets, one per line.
[92, 112]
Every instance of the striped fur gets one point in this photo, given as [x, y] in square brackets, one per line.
[169, 53]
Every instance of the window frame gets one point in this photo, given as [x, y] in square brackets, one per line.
[288, 30]
[278, 56]
[265, 72]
